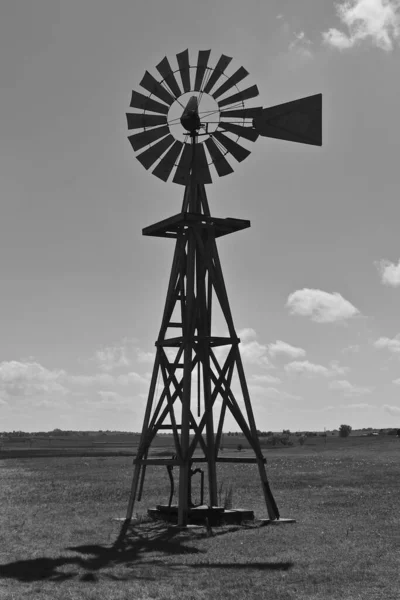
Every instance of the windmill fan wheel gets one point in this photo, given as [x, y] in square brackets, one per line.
[199, 114]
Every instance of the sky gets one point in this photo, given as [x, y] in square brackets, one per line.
[314, 284]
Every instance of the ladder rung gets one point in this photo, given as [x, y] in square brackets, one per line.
[174, 324]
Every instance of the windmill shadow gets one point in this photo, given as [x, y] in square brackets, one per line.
[131, 547]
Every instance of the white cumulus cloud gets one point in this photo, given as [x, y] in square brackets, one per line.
[30, 378]
[280, 347]
[251, 350]
[391, 344]
[374, 20]
[389, 272]
[320, 306]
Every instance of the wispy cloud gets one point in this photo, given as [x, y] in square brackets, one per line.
[259, 379]
[306, 367]
[320, 306]
[352, 349]
[375, 20]
[113, 357]
[392, 410]
[348, 388]
[389, 272]
[301, 45]
[280, 347]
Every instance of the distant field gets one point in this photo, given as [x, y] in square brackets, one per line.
[126, 445]
[58, 539]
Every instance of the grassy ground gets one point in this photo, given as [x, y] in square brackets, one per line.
[58, 539]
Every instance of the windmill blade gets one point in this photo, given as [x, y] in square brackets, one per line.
[297, 121]
[202, 170]
[242, 113]
[149, 156]
[230, 82]
[218, 71]
[202, 62]
[249, 133]
[136, 121]
[246, 94]
[184, 68]
[183, 168]
[140, 140]
[167, 163]
[164, 68]
[219, 161]
[146, 103]
[154, 87]
[234, 148]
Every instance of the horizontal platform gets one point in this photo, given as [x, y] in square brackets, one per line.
[171, 227]
[214, 515]
[160, 462]
[213, 341]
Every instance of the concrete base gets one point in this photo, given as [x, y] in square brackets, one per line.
[275, 521]
[199, 515]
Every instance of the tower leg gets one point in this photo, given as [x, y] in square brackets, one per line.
[189, 323]
[132, 498]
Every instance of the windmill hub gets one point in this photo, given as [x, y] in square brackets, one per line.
[190, 118]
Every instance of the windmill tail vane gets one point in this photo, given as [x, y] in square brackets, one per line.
[191, 122]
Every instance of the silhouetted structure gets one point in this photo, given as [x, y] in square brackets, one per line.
[188, 361]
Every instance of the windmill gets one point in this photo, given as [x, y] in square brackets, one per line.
[190, 122]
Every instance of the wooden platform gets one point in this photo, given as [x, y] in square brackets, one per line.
[171, 227]
[216, 515]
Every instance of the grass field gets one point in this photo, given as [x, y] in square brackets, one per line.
[58, 539]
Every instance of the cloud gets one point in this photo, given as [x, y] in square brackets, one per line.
[320, 306]
[392, 410]
[348, 388]
[301, 45]
[251, 350]
[145, 357]
[358, 405]
[30, 378]
[132, 378]
[265, 379]
[376, 20]
[112, 357]
[88, 380]
[311, 369]
[274, 393]
[393, 345]
[280, 347]
[396, 381]
[389, 272]
[351, 349]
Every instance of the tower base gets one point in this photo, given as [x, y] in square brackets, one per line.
[200, 515]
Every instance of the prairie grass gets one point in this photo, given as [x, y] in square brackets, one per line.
[58, 539]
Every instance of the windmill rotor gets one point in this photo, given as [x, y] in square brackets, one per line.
[220, 125]
[213, 129]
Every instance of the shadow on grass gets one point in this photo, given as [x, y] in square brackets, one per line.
[129, 550]
[131, 547]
